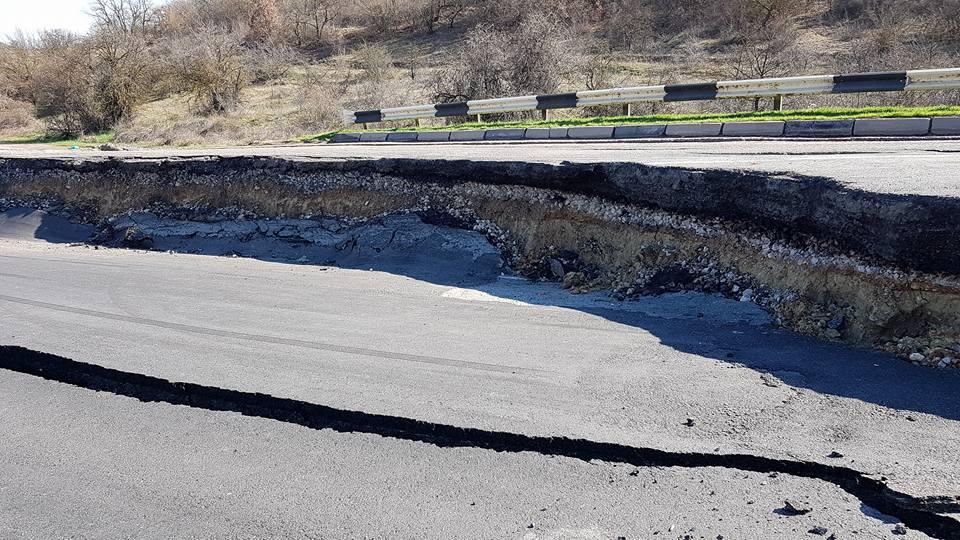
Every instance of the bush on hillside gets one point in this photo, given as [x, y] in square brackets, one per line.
[210, 66]
[532, 58]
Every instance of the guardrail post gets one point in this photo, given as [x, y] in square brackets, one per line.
[478, 119]
[545, 114]
[778, 103]
[419, 122]
[628, 109]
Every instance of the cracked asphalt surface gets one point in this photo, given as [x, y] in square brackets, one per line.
[508, 356]
[904, 166]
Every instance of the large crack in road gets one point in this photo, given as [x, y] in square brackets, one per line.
[920, 513]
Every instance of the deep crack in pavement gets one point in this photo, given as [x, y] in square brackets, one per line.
[916, 512]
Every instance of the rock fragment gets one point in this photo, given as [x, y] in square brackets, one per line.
[793, 507]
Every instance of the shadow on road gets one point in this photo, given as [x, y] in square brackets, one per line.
[30, 224]
[708, 326]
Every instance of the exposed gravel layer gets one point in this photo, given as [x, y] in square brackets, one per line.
[830, 273]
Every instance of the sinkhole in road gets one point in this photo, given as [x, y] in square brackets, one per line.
[873, 270]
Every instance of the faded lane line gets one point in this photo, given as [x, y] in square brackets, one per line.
[20, 276]
[67, 261]
[360, 351]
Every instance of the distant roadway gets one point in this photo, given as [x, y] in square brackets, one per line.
[917, 166]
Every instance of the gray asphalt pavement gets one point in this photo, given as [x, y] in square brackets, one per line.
[81, 464]
[679, 373]
[919, 166]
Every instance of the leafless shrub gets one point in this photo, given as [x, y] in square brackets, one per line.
[15, 115]
[319, 104]
[60, 88]
[372, 80]
[120, 65]
[182, 17]
[263, 21]
[434, 13]
[532, 58]
[271, 62]
[78, 85]
[310, 22]
[210, 66]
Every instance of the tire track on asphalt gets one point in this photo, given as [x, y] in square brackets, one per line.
[260, 338]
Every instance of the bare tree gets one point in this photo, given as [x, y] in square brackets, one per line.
[120, 64]
[124, 16]
[436, 12]
[308, 20]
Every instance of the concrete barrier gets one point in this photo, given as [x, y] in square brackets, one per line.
[591, 132]
[345, 138]
[753, 129]
[403, 136]
[818, 128]
[373, 137]
[504, 135]
[894, 127]
[471, 135]
[947, 125]
[694, 130]
[433, 136]
[639, 132]
[537, 133]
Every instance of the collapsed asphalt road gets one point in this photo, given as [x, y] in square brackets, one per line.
[516, 397]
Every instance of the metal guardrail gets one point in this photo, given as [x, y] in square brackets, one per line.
[921, 79]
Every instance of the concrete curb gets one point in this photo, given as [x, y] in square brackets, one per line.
[590, 132]
[892, 126]
[504, 134]
[818, 128]
[711, 129]
[639, 132]
[537, 133]
[373, 137]
[409, 136]
[433, 136]
[752, 129]
[842, 128]
[946, 125]
[473, 135]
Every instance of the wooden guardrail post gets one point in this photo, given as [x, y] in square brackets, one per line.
[628, 109]
[778, 103]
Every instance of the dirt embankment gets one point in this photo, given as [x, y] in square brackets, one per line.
[868, 269]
